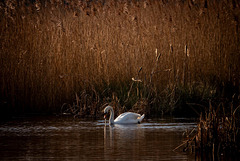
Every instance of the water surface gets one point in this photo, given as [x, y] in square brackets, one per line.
[61, 138]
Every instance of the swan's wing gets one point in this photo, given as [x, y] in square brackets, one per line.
[127, 117]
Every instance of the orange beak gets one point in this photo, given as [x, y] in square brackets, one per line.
[105, 116]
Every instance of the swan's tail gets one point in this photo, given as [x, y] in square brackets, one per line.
[141, 118]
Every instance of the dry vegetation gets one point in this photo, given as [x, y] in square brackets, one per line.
[153, 53]
[217, 136]
[218, 131]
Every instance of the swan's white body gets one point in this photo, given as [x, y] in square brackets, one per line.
[124, 118]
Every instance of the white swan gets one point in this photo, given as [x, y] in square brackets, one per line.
[124, 118]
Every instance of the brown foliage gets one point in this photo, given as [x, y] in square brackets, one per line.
[49, 50]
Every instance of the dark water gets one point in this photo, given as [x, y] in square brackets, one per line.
[58, 138]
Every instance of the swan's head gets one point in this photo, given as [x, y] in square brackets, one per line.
[106, 109]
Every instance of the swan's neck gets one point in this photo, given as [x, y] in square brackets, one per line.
[111, 119]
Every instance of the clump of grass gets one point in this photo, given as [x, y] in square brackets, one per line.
[217, 133]
[50, 50]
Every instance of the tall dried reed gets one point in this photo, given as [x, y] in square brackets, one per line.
[217, 134]
[50, 50]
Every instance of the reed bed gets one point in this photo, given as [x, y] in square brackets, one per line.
[217, 134]
[52, 51]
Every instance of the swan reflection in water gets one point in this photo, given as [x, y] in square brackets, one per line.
[118, 136]
[108, 136]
